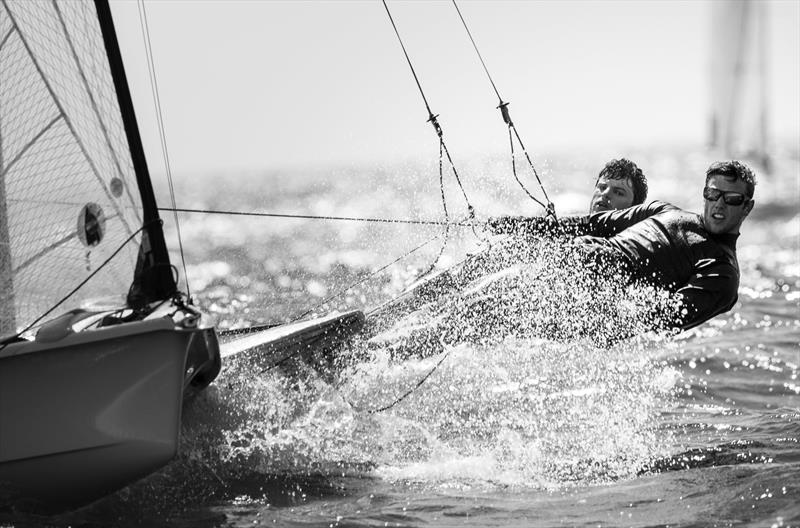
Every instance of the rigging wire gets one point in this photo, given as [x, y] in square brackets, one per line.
[341, 292]
[351, 286]
[162, 132]
[471, 212]
[443, 151]
[429, 373]
[317, 217]
[503, 107]
[433, 120]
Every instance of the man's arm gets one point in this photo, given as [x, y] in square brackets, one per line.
[605, 224]
[712, 290]
[526, 225]
[609, 223]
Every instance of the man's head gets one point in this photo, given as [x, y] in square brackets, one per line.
[728, 196]
[619, 185]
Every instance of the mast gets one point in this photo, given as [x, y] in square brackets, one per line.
[153, 279]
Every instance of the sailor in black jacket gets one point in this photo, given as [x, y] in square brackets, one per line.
[685, 253]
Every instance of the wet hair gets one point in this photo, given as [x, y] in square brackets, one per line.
[734, 170]
[622, 169]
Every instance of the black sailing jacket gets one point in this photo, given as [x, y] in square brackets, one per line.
[670, 248]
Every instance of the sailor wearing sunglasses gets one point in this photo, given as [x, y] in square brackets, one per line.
[726, 215]
[688, 254]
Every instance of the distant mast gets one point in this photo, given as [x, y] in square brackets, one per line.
[739, 103]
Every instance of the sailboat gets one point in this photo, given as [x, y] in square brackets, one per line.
[99, 350]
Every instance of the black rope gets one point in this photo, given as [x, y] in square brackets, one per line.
[443, 147]
[411, 390]
[315, 217]
[514, 172]
[503, 107]
[550, 208]
[446, 237]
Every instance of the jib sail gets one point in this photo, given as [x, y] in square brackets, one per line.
[78, 219]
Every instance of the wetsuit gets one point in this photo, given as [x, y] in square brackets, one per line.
[664, 246]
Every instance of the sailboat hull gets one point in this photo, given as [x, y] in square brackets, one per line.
[96, 410]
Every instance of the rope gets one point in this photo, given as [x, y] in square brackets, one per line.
[550, 208]
[161, 130]
[412, 389]
[421, 380]
[341, 292]
[350, 287]
[318, 217]
[514, 172]
[381, 307]
[431, 117]
[478, 52]
[446, 237]
[426, 376]
[443, 150]
[503, 107]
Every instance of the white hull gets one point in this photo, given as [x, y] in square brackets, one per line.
[96, 410]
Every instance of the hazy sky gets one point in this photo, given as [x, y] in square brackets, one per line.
[272, 84]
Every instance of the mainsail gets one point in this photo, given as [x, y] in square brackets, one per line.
[75, 223]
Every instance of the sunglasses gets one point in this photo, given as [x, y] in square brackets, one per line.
[731, 198]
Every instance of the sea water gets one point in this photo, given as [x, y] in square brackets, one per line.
[499, 424]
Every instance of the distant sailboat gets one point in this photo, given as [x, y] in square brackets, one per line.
[739, 121]
[98, 349]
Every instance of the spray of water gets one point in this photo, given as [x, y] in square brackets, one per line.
[543, 386]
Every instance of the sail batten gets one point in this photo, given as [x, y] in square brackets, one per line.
[44, 251]
[5, 168]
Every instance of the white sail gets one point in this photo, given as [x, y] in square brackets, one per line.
[739, 70]
[68, 198]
